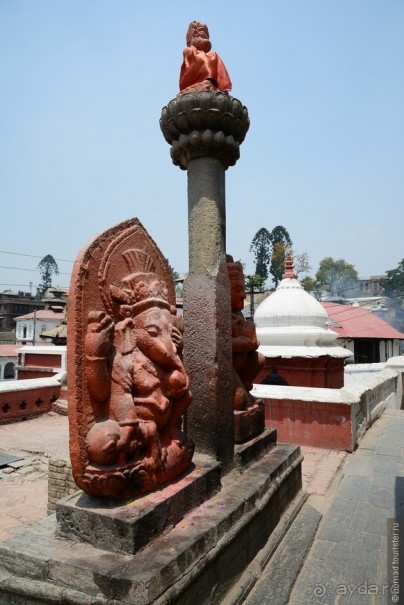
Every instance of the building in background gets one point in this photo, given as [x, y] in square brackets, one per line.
[30, 327]
[15, 304]
[363, 332]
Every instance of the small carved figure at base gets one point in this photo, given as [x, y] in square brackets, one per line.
[250, 422]
[129, 398]
[202, 69]
[247, 361]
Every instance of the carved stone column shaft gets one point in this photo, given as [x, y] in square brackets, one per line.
[205, 130]
[206, 215]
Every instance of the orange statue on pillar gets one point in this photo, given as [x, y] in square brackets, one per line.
[201, 68]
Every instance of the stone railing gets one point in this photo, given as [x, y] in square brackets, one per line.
[372, 395]
[21, 399]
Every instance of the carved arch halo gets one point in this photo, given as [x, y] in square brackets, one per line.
[100, 260]
[132, 251]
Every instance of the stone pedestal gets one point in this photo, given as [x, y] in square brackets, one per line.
[197, 560]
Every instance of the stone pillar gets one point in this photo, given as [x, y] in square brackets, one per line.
[205, 130]
[206, 214]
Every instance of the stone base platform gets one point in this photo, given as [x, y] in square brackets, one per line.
[127, 527]
[197, 561]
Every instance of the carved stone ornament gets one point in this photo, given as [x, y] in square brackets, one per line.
[204, 123]
[247, 361]
[128, 389]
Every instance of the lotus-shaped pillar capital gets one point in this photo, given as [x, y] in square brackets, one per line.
[204, 124]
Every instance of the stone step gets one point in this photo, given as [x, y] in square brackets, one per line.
[196, 562]
[246, 453]
[277, 579]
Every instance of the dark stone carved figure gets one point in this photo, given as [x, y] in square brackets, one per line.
[247, 361]
[202, 69]
[133, 386]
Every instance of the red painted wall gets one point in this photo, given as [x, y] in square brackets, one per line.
[311, 423]
[43, 360]
[321, 372]
[25, 373]
[19, 405]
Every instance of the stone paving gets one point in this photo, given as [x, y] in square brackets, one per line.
[335, 552]
[24, 484]
[347, 564]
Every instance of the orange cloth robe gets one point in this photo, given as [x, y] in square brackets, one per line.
[199, 66]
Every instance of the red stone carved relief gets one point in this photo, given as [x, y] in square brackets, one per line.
[202, 69]
[128, 389]
[247, 361]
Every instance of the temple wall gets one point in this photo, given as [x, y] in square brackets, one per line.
[331, 418]
[21, 399]
[40, 362]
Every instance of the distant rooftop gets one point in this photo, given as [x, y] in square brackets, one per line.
[357, 322]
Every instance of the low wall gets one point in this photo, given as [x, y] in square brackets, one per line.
[331, 418]
[397, 364]
[21, 399]
[60, 482]
[40, 361]
[358, 371]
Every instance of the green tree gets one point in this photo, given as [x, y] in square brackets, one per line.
[47, 268]
[173, 271]
[261, 246]
[270, 248]
[309, 284]
[278, 258]
[337, 275]
[281, 245]
[254, 281]
[393, 284]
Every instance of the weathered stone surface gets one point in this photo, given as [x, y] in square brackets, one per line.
[195, 562]
[276, 581]
[207, 359]
[204, 124]
[350, 550]
[246, 453]
[206, 216]
[112, 526]
[249, 423]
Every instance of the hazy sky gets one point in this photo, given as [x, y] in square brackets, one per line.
[82, 84]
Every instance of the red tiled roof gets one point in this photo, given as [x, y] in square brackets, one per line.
[9, 350]
[357, 322]
[43, 314]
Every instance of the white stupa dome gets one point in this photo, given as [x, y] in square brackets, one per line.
[292, 323]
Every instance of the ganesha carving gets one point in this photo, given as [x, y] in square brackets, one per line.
[131, 389]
